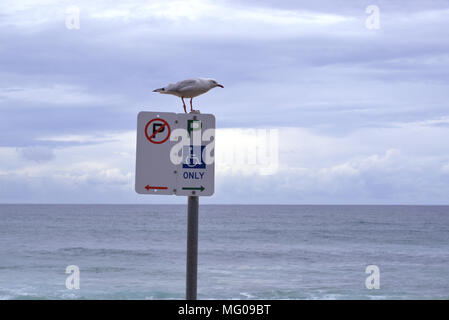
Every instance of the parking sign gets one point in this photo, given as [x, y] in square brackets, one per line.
[175, 154]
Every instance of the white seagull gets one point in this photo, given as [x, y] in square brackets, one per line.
[189, 88]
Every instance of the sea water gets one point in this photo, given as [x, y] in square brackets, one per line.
[245, 252]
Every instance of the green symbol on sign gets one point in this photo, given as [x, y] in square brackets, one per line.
[191, 188]
[193, 125]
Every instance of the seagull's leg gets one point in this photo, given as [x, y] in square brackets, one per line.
[184, 104]
[191, 107]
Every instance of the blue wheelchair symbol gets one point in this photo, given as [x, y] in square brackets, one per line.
[192, 157]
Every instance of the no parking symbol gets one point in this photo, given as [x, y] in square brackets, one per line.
[157, 131]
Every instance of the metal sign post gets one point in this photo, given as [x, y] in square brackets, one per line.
[192, 247]
[175, 156]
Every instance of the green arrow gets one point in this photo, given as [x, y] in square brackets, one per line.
[190, 188]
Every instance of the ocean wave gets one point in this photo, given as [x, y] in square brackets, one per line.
[83, 251]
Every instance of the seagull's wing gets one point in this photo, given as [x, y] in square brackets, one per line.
[183, 85]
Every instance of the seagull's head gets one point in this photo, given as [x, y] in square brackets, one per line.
[213, 83]
[160, 90]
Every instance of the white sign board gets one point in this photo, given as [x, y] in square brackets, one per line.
[175, 153]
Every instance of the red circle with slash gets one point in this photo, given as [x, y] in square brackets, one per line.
[151, 138]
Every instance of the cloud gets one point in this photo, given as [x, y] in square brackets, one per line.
[445, 168]
[361, 114]
[30, 13]
[59, 95]
[360, 167]
[37, 153]
[92, 171]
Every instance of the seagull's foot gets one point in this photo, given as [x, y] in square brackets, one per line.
[195, 111]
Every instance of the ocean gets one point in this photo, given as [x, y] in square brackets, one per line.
[245, 251]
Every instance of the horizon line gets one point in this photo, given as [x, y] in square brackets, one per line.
[231, 204]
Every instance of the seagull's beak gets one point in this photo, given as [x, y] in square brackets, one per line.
[220, 85]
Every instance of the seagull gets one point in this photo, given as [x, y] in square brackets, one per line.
[189, 88]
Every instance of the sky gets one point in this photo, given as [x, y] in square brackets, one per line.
[356, 112]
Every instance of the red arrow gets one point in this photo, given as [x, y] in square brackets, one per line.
[158, 188]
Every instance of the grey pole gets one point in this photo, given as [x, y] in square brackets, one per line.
[192, 247]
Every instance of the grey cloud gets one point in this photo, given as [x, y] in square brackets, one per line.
[37, 153]
[333, 80]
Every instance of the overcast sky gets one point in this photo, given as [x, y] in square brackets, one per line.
[362, 114]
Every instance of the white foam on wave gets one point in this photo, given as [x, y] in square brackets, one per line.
[247, 295]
